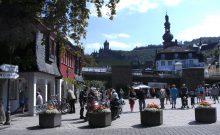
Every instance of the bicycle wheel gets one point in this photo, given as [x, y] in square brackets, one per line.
[65, 108]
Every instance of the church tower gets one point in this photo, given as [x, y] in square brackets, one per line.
[167, 36]
[106, 45]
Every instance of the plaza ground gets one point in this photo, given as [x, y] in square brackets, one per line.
[175, 121]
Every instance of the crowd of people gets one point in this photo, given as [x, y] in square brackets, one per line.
[170, 94]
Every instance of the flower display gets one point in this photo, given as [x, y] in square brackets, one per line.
[152, 107]
[204, 104]
[50, 110]
[100, 108]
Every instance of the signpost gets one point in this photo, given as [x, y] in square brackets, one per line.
[10, 72]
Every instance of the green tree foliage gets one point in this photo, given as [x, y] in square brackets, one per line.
[89, 61]
[66, 17]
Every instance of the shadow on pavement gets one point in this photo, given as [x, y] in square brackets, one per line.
[139, 126]
[34, 128]
[197, 123]
[130, 112]
[86, 127]
[70, 119]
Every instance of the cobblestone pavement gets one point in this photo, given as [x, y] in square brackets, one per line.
[175, 121]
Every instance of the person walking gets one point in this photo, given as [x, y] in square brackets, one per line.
[173, 94]
[141, 96]
[162, 96]
[82, 101]
[132, 98]
[71, 97]
[184, 96]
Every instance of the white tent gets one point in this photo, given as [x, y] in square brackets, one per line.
[141, 86]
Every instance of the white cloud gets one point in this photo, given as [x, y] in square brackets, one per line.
[116, 45]
[208, 28]
[141, 6]
[171, 2]
[90, 47]
[115, 36]
[131, 6]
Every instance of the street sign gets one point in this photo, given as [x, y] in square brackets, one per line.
[8, 75]
[9, 68]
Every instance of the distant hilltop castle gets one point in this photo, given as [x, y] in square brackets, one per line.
[103, 52]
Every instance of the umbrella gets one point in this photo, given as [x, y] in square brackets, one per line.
[141, 86]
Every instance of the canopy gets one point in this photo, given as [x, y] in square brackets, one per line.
[141, 86]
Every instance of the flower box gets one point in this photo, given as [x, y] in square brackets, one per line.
[49, 120]
[206, 114]
[99, 119]
[151, 115]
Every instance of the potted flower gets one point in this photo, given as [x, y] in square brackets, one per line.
[49, 118]
[152, 115]
[99, 117]
[205, 113]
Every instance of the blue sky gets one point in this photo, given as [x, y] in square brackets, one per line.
[141, 22]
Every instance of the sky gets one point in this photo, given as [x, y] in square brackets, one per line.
[141, 22]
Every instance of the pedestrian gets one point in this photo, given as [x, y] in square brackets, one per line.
[192, 98]
[162, 96]
[141, 96]
[39, 100]
[132, 98]
[215, 92]
[82, 102]
[173, 94]
[21, 101]
[184, 96]
[2, 113]
[121, 94]
[71, 98]
[167, 94]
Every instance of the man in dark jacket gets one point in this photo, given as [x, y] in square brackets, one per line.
[82, 101]
[184, 96]
[141, 96]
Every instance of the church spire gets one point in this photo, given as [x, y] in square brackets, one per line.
[167, 37]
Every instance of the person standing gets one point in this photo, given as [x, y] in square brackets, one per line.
[184, 96]
[132, 98]
[167, 89]
[82, 102]
[39, 100]
[192, 97]
[2, 113]
[173, 94]
[215, 92]
[141, 96]
[72, 100]
[162, 96]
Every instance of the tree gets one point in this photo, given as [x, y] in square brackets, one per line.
[65, 17]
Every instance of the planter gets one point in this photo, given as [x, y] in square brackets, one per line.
[49, 120]
[99, 119]
[206, 115]
[151, 118]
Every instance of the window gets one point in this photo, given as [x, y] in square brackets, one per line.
[163, 56]
[169, 63]
[191, 62]
[189, 55]
[162, 63]
[52, 46]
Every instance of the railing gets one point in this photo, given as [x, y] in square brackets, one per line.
[96, 69]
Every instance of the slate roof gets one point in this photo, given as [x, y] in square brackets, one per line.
[43, 66]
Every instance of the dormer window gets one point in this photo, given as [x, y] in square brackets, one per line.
[51, 50]
[176, 55]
